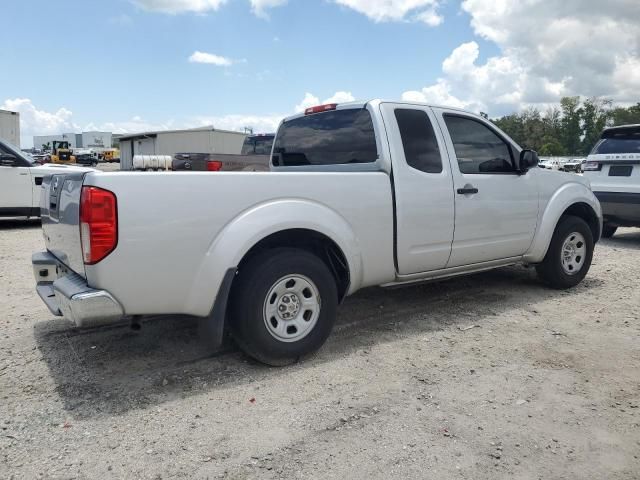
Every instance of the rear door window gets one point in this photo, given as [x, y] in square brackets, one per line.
[418, 140]
[330, 138]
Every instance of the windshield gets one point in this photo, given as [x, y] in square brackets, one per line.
[260, 145]
[9, 148]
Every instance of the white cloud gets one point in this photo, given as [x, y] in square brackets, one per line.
[38, 122]
[259, 123]
[397, 10]
[259, 7]
[133, 125]
[548, 49]
[122, 20]
[180, 6]
[210, 58]
[311, 100]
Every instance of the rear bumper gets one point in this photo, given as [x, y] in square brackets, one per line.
[620, 208]
[67, 294]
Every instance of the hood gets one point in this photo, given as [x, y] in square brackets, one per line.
[51, 168]
[558, 178]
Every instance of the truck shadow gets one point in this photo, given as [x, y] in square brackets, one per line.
[628, 238]
[19, 223]
[112, 370]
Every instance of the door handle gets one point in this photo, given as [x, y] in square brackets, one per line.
[467, 190]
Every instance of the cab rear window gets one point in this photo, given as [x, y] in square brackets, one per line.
[331, 138]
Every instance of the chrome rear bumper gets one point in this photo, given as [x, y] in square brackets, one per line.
[67, 294]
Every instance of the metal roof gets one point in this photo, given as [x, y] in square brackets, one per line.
[155, 133]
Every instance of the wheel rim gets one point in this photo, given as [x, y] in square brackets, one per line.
[291, 308]
[574, 251]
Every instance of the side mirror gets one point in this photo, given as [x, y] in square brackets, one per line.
[7, 160]
[528, 160]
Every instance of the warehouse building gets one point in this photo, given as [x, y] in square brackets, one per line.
[91, 139]
[170, 142]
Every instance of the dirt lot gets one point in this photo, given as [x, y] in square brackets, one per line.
[547, 385]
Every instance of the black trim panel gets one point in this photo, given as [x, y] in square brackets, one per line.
[19, 211]
[618, 197]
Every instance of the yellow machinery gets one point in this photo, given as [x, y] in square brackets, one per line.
[111, 155]
[61, 153]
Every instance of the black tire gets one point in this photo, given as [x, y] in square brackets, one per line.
[551, 270]
[248, 322]
[608, 230]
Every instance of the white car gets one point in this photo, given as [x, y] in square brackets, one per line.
[613, 168]
[359, 194]
[21, 180]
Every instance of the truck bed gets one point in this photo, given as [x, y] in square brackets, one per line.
[170, 223]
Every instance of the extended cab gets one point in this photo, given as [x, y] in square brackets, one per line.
[359, 194]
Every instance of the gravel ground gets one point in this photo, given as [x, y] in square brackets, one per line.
[545, 385]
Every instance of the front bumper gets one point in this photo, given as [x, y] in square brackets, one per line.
[67, 294]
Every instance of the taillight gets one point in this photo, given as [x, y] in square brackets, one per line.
[98, 224]
[320, 108]
[214, 166]
[591, 166]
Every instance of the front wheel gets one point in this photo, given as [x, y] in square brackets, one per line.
[283, 305]
[569, 255]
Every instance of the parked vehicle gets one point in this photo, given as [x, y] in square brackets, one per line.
[613, 168]
[21, 180]
[360, 194]
[110, 155]
[572, 165]
[40, 158]
[61, 153]
[254, 157]
[86, 156]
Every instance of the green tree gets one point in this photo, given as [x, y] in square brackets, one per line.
[625, 116]
[552, 148]
[595, 113]
[571, 124]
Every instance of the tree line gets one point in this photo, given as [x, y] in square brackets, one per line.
[571, 128]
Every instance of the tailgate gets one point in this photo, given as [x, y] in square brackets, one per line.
[60, 212]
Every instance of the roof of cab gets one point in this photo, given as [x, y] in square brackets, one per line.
[362, 104]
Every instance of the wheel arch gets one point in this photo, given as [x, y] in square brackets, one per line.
[310, 241]
[571, 199]
[316, 228]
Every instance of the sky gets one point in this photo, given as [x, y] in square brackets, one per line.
[136, 65]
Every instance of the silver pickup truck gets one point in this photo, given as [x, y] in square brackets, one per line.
[359, 194]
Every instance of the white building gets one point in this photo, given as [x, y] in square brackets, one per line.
[10, 127]
[170, 142]
[72, 138]
[95, 140]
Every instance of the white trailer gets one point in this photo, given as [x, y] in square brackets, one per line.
[10, 127]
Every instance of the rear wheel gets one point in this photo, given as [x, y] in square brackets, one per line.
[608, 230]
[569, 255]
[283, 306]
